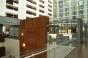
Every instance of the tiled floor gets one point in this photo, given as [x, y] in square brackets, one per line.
[80, 52]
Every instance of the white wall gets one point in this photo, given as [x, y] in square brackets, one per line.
[12, 48]
[2, 7]
[22, 9]
[46, 7]
[1, 44]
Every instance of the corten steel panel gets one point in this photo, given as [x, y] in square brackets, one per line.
[2, 37]
[1, 28]
[33, 32]
[2, 51]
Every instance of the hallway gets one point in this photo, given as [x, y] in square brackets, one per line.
[80, 52]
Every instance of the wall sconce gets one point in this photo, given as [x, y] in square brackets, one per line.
[22, 34]
[24, 45]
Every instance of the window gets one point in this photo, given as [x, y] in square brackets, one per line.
[74, 8]
[41, 5]
[66, 5]
[29, 6]
[87, 1]
[41, 10]
[11, 15]
[9, 7]
[60, 6]
[32, 1]
[66, 9]
[49, 1]
[16, 1]
[67, 13]
[60, 2]
[87, 5]
[74, 12]
[87, 16]
[61, 14]
[81, 7]
[66, 17]
[81, 2]
[29, 12]
[9, 1]
[87, 11]
[60, 10]
[50, 14]
[49, 5]
[43, 1]
[15, 16]
[81, 12]
[73, 4]
[50, 10]
[73, 17]
[82, 16]
[15, 9]
[65, 1]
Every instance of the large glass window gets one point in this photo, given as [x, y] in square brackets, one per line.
[81, 2]
[87, 1]
[82, 16]
[74, 12]
[61, 2]
[87, 5]
[74, 8]
[81, 7]
[9, 1]
[60, 10]
[66, 5]
[73, 4]
[66, 9]
[61, 14]
[60, 6]
[66, 13]
[81, 12]
[74, 17]
[65, 1]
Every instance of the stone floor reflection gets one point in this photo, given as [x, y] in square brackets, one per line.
[81, 51]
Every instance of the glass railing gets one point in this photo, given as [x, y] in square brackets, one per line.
[56, 48]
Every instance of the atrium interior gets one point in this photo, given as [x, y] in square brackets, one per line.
[43, 29]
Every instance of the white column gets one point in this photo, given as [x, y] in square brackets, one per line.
[46, 7]
[70, 9]
[22, 9]
[37, 8]
[2, 7]
[85, 11]
[52, 9]
[78, 9]
[57, 9]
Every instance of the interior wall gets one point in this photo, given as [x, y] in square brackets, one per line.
[1, 44]
[12, 48]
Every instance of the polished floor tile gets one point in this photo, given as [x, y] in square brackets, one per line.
[81, 51]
